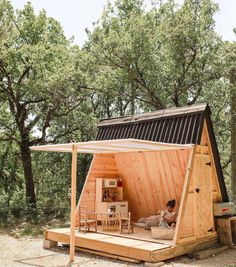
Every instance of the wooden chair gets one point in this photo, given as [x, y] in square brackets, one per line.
[87, 219]
[125, 223]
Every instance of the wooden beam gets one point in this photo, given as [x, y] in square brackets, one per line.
[111, 146]
[178, 250]
[214, 173]
[184, 194]
[73, 201]
[108, 255]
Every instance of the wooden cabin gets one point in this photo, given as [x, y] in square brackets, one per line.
[139, 163]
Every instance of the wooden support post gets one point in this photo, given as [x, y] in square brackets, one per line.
[73, 201]
[226, 230]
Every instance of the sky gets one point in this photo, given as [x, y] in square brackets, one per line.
[76, 15]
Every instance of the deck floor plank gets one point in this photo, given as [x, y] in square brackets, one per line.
[113, 244]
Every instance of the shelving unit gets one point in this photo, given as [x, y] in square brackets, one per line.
[109, 198]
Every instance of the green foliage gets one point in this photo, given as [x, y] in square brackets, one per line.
[4, 209]
[154, 59]
[17, 204]
[41, 98]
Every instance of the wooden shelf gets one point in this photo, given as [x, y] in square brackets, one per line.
[105, 188]
[100, 191]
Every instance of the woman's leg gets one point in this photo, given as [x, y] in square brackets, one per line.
[152, 222]
[142, 220]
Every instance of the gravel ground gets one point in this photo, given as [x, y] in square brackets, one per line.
[20, 252]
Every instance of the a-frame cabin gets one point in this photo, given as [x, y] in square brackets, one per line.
[184, 166]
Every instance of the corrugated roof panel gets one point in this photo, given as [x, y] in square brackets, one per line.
[134, 129]
[147, 129]
[166, 131]
[126, 131]
[172, 125]
[152, 123]
[182, 130]
[199, 132]
[189, 130]
[162, 130]
[129, 131]
[155, 129]
[114, 131]
[121, 132]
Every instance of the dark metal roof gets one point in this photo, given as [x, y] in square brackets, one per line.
[175, 125]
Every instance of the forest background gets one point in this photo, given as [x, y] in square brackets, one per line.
[135, 60]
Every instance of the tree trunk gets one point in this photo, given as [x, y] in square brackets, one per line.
[27, 167]
[233, 132]
[133, 95]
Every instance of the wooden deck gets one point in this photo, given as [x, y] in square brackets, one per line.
[131, 247]
[138, 234]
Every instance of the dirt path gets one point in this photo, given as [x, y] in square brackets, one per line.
[29, 252]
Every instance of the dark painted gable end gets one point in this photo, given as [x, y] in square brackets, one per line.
[175, 125]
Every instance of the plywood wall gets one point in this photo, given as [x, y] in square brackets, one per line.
[197, 220]
[151, 179]
[197, 216]
[103, 165]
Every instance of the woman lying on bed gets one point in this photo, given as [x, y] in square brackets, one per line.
[166, 218]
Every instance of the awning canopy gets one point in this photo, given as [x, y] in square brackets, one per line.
[111, 146]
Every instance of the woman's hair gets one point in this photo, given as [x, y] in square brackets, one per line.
[171, 203]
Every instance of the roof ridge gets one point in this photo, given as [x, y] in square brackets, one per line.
[169, 112]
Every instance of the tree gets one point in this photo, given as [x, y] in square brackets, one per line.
[158, 58]
[38, 94]
[5, 22]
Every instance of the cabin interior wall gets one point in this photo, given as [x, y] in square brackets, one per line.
[151, 179]
[102, 166]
